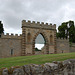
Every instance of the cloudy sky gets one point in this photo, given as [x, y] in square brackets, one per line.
[12, 12]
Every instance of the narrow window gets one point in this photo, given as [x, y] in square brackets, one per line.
[51, 39]
[11, 51]
[28, 37]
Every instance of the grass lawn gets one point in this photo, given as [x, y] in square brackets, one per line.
[34, 59]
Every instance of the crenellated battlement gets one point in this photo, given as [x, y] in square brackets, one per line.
[34, 24]
[62, 39]
[11, 36]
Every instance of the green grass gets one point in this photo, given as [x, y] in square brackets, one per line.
[35, 59]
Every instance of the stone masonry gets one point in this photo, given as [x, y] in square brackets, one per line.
[10, 43]
[66, 67]
[14, 45]
[31, 30]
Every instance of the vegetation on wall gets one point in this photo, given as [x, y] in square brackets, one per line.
[67, 30]
[1, 28]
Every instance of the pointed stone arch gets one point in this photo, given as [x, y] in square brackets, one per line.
[46, 42]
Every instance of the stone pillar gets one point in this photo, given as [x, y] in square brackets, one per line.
[33, 47]
[47, 48]
[55, 49]
[23, 42]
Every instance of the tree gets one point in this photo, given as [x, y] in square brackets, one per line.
[71, 31]
[61, 30]
[67, 30]
[1, 28]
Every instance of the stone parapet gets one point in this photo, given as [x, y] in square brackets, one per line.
[12, 36]
[42, 25]
[63, 39]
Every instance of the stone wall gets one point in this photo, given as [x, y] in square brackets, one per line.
[10, 45]
[66, 67]
[62, 45]
[72, 47]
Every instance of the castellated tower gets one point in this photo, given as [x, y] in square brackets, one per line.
[30, 30]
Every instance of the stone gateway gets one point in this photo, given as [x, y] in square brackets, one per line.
[14, 45]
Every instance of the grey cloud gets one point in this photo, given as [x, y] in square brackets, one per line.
[12, 12]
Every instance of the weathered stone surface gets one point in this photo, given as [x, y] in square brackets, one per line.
[5, 71]
[37, 69]
[27, 69]
[18, 71]
[66, 67]
[69, 66]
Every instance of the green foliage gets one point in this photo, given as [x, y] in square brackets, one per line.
[1, 28]
[34, 59]
[72, 32]
[67, 30]
[62, 29]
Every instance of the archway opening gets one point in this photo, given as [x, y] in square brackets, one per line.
[40, 43]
